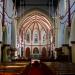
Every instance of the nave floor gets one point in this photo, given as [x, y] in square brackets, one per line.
[45, 68]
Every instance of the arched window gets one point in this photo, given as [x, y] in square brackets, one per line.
[28, 37]
[36, 37]
[27, 52]
[44, 53]
[35, 50]
[44, 38]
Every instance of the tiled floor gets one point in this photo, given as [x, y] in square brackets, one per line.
[62, 68]
[58, 67]
[12, 68]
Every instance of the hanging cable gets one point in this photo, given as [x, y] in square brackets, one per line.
[23, 7]
[3, 15]
[15, 7]
[52, 8]
[49, 8]
[69, 14]
[53, 12]
[20, 8]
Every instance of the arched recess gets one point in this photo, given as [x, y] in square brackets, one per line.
[36, 53]
[27, 53]
[44, 53]
[35, 50]
[27, 36]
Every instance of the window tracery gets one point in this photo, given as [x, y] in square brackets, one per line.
[36, 37]
[44, 38]
[28, 37]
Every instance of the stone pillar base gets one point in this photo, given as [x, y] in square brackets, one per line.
[4, 57]
[59, 53]
[66, 51]
[0, 50]
[58, 50]
[73, 51]
[14, 53]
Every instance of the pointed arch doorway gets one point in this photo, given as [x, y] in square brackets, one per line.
[44, 53]
[27, 53]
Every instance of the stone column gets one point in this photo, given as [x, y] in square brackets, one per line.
[15, 35]
[65, 46]
[15, 28]
[72, 38]
[66, 35]
[5, 55]
[57, 33]
[0, 37]
[65, 51]
[58, 49]
[0, 50]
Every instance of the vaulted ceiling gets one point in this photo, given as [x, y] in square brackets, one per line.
[35, 20]
[36, 3]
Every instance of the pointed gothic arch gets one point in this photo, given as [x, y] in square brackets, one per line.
[30, 16]
[35, 50]
[44, 53]
[27, 53]
[36, 20]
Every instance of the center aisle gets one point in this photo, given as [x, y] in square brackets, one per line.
[37, 69]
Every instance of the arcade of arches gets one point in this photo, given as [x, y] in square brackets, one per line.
[37, 30]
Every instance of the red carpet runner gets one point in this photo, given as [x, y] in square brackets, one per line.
[37, 69]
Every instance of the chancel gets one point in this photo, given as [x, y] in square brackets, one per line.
[37, 37]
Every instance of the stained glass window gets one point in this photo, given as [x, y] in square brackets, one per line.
[49, 37]
[28, 37]
[44, 38]
[36, 38]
